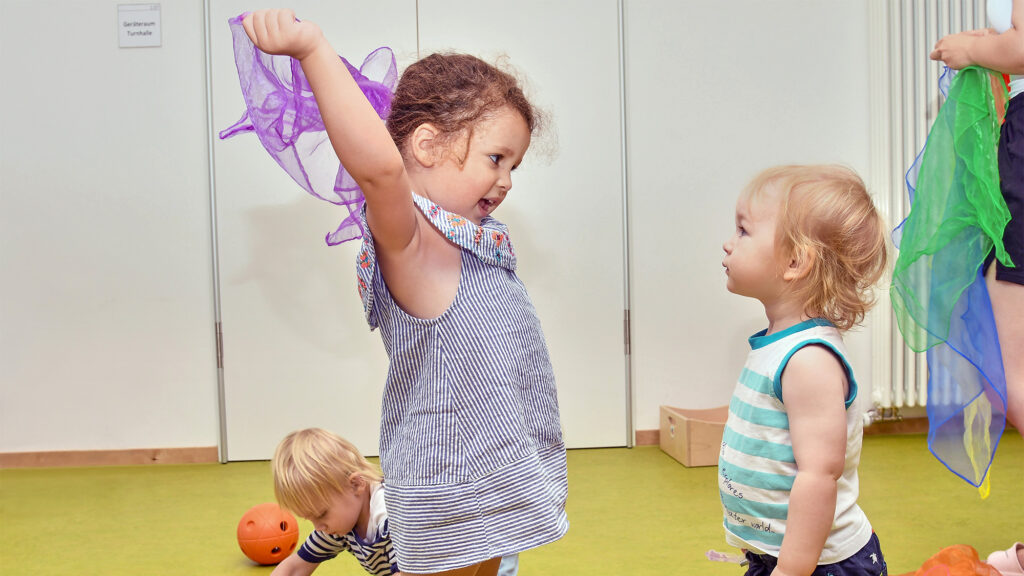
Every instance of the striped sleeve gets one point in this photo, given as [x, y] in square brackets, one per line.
[320, 546]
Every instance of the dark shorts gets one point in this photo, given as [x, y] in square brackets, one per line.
[1011, 177]
[867, 562]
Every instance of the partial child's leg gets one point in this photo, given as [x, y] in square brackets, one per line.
[1008, 308]
[489, 568]
[1006, 285]
[486, 568]
[509, 565]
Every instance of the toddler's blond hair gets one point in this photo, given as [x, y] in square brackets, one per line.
[826, 215]
[312, 465]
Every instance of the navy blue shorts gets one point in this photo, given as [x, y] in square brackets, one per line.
[867, 562]
[1011, 177]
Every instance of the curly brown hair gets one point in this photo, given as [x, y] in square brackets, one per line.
[825, 212]
[453, 92]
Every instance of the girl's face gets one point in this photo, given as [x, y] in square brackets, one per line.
[495, 148]
[751, 263]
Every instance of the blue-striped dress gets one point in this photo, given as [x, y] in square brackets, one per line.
[471, 443]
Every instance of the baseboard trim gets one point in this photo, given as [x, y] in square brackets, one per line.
[648, 437]
[904, 426]
[208, 454]
[64, 458]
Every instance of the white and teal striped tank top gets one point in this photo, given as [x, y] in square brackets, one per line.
[756, 467]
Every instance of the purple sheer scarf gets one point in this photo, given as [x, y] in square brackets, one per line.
[281, 110]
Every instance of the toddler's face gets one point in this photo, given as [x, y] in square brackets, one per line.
[751, 262]
[341, 512]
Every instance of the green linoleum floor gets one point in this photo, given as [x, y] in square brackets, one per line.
[634, 512]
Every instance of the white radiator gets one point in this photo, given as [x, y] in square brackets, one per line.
[904, 102]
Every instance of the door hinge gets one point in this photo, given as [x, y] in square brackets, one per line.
[625, 330]
[220, 347]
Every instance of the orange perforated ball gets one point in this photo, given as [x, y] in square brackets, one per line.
[267, 533]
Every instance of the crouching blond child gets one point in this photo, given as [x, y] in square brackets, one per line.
[323, 478]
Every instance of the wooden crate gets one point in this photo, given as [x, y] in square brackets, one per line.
[693, 437]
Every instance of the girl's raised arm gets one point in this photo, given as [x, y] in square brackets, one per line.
[357, 134]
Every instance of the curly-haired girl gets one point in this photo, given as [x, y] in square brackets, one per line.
[471, 445]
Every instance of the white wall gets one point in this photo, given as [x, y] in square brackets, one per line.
[106, 308]
[718, 91]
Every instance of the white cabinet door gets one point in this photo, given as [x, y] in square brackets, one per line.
[297, 351]
[565, 209]
[718, 91]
